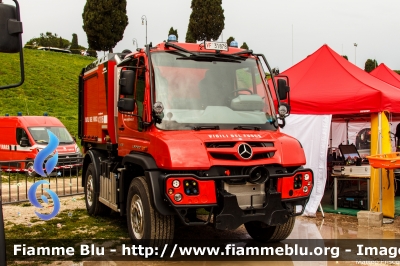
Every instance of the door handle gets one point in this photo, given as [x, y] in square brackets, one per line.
[121, 128]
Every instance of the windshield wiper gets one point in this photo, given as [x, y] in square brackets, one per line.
[206, 127]
[66, 142]
[177, 47]
[247, 128]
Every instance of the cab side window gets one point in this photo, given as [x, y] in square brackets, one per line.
[20, 134]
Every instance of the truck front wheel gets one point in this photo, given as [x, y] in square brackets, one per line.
[146, 225]
[30, 172]
[266, 233]
[93, 205]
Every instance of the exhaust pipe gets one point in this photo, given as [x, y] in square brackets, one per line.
[258, 175]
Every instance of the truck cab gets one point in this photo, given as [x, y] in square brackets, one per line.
[179, 127]
[24, 136]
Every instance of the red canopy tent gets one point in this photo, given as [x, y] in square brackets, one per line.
[326, 83]
[325, 87]
[384, 73]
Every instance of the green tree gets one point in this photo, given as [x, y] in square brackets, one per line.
[207, 19]
[189, 37]
[230, 39]
[48, 39]
[370, 65]
[244, 46]
[74, 44]
[174, 32]
[91, 52]
[345, 57]
[104, 23]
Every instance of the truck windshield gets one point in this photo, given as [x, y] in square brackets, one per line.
[40, 135]
[207, 91]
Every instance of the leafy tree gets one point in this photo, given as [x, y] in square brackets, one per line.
[104, 23]
[174, 32]
[370, 65]
[74, 44]
[189, 37]
[244, 46]
[345, 57]
[207, 19]
[91, 52]
[230, 39]
[397, 71]
[48, 39]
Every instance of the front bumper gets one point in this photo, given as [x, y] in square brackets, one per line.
[276, 209]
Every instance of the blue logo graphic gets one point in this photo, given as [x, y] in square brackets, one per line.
[38, 167]
[42, 155]
[34, 201]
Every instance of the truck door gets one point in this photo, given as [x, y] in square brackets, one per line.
[23, 153]
[129, 126]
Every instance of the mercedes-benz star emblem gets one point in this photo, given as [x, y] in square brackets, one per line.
[245, 151]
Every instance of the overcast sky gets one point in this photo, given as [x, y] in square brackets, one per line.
[286, 31]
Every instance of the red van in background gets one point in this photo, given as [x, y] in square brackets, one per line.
[22, 137]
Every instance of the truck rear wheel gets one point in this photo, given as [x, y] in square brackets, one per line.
[266, 233]
[146, 225]
[93, 205]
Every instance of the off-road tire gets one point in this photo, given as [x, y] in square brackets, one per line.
[30, 173]
[152, 229]
[265, 233]
[93, 206]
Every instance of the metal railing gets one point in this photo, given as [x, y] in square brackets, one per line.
[16, 179]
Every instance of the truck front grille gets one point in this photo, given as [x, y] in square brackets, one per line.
[228, 150]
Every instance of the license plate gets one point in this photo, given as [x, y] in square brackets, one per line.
[219, 46]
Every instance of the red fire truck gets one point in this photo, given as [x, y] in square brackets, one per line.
[177, 127]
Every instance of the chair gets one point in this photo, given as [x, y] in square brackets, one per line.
[212, 91]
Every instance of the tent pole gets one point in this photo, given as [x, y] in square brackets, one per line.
[380, 152]
[347, 131]
[331, 139]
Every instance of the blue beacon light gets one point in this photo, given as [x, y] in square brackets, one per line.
[234, 44]
[172, 38]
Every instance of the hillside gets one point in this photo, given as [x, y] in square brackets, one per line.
[51, 85]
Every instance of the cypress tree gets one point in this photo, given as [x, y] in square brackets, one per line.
[189, 37]
[74, 44]
[104, 23]
[244, 46]
[370, 65]
[230, 39]
[207, 20]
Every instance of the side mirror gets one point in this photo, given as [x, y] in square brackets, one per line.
[126, 82]
[10, 29]
[24, 142]
[283, 89]
[126, 104]
[10, 36]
